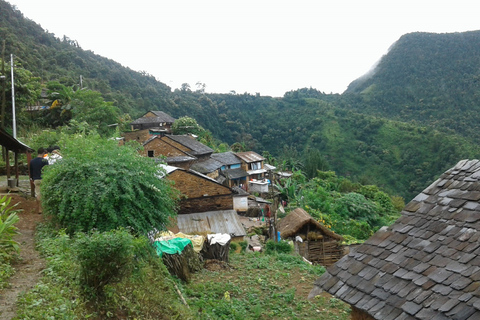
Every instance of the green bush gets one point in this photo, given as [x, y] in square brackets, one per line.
[104, 258]
[147, 293]
[233, 246]
[100, 185]
[279, 247]
[244, 245]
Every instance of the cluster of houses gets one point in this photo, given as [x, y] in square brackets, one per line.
[424, 266]
[214, 186]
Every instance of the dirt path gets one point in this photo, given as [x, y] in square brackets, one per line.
[29, 267]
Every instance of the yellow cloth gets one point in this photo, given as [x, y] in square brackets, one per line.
[197, 241]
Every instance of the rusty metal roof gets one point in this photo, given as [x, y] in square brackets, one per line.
[223, 221]
[250, 156]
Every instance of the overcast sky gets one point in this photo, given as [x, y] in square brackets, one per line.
[264, 46]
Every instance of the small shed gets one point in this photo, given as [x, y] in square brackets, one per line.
[312, 240]
[240, 199]
[11, 144]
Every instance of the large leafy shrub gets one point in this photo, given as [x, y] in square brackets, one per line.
[100, 185]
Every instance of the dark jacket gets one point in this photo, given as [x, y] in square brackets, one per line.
[36, 166]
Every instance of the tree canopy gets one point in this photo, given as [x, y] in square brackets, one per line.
[100, 185]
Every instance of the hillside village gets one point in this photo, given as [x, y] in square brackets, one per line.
[315, 227]
[422, 266]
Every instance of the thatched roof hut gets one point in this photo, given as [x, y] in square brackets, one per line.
[318, 244]
[297, 219]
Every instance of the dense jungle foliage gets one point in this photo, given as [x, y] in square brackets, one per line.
[399, 128]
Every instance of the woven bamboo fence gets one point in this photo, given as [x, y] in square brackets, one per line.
[323, 252]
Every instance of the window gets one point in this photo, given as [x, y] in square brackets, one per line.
[150, 153]
[256, 165]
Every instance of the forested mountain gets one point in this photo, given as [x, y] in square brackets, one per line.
[398, 128]
[429, 78]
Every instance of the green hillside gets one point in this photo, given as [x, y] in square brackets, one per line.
[428, 78]
[399, 128]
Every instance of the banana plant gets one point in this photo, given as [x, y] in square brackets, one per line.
[8, 218]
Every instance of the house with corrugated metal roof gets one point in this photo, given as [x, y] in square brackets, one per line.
[424, 266]
[223, 221]
[253, 164]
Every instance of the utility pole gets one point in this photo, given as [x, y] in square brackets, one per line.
[4, 81]
[3, 78]
[13, 99]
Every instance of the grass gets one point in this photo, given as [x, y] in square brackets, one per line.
[261, 286]
[255, 286]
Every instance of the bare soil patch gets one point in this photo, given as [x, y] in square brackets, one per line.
[29, 265]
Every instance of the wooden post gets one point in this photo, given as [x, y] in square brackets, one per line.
[7, 162]
[16, 169]
[32, 185]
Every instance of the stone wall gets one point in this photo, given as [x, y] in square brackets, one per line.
[194, 186]
[201, 194]
[160, 147]
[138, 135]
[223, 202]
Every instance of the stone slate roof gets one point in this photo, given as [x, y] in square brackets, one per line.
[207, 166]
[235, 173]
[197, 147]
[239, 192]
[160, 117]
[427, 264]
[226, 158]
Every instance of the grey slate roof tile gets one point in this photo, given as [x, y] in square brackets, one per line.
[422, 296]
[427, 264]
[441, 289]
[411, 307]
[464, 312]
[461, 283]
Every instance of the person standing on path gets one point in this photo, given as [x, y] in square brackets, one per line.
[36, 166]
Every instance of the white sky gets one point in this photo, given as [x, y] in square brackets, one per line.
[264, 46]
